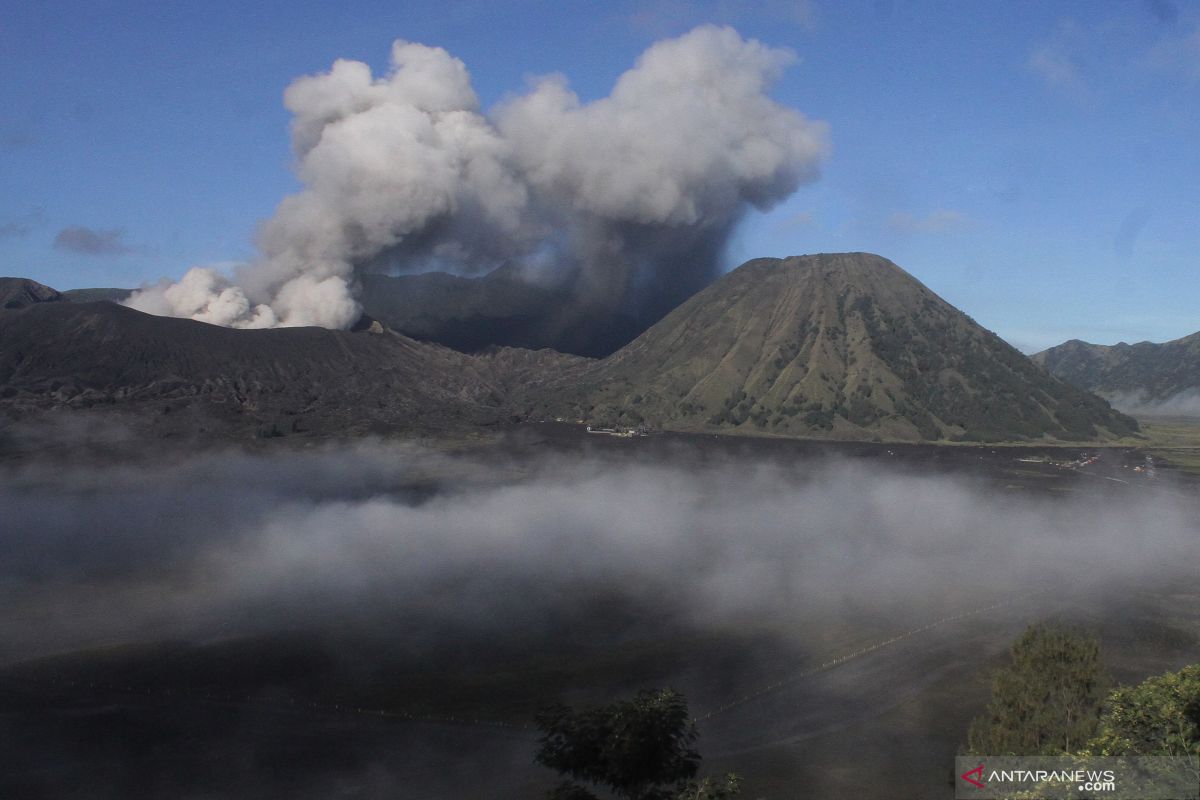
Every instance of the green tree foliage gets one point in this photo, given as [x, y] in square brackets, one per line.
[1158, 717]
[1047, 700]
[728, 785]
[639, 749]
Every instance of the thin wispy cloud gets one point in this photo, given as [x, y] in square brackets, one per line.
[1180, 54]
[1162, 10]
[92, 241]
[1066, 59]
[803, 219]
[14, 134]
[942, 220]
[1127, 233]
[1059, 71]
[14, 229]
[18, 227]
[667, 16]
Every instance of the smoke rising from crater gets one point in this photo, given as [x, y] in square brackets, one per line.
[629, 196]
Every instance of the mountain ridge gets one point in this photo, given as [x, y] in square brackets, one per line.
[97, 356]
[22, 292]
[831, 345]
[1145, 377]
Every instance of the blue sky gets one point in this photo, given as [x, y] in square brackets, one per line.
[1035, 164]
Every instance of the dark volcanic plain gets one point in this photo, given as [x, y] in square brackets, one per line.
[384, 619]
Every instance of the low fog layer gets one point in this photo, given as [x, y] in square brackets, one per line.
[1182, 404]
[627, 199]
[393, 539]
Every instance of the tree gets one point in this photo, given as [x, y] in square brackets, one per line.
[1158, 717]
[1047, 700]
[639, 749]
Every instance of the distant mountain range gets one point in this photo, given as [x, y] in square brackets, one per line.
[1143, 378]
[93, 295]
[21, 292]
[840, 346]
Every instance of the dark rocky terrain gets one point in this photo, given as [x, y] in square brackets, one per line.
[180, 377]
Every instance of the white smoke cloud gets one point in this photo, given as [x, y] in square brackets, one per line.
[203, 293]
[404, 171]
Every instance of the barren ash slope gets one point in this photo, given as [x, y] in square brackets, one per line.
[175, 376]
[843, 345]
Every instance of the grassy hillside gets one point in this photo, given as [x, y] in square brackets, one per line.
[838, 345]
[1146, 376]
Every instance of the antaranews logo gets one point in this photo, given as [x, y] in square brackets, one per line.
[975, 776]
[1071, 777]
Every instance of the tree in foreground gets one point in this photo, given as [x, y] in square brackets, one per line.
[1158, 717]
[1047, 700]
[638, 749]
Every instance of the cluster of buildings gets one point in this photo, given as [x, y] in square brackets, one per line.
[623, 432]
[1146, 468]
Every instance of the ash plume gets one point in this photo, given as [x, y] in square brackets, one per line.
[626, 201]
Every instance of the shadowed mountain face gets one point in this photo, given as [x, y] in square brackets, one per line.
[1144, 377]
[21, 292]
[105, 356]
[502, 308]
[844, 345]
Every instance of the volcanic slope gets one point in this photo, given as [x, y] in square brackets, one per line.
[21, 292]
[98, 356]
[504, 308]
[1144, 376]
[845, 346]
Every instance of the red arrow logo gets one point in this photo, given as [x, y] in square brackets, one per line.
[966, 776]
